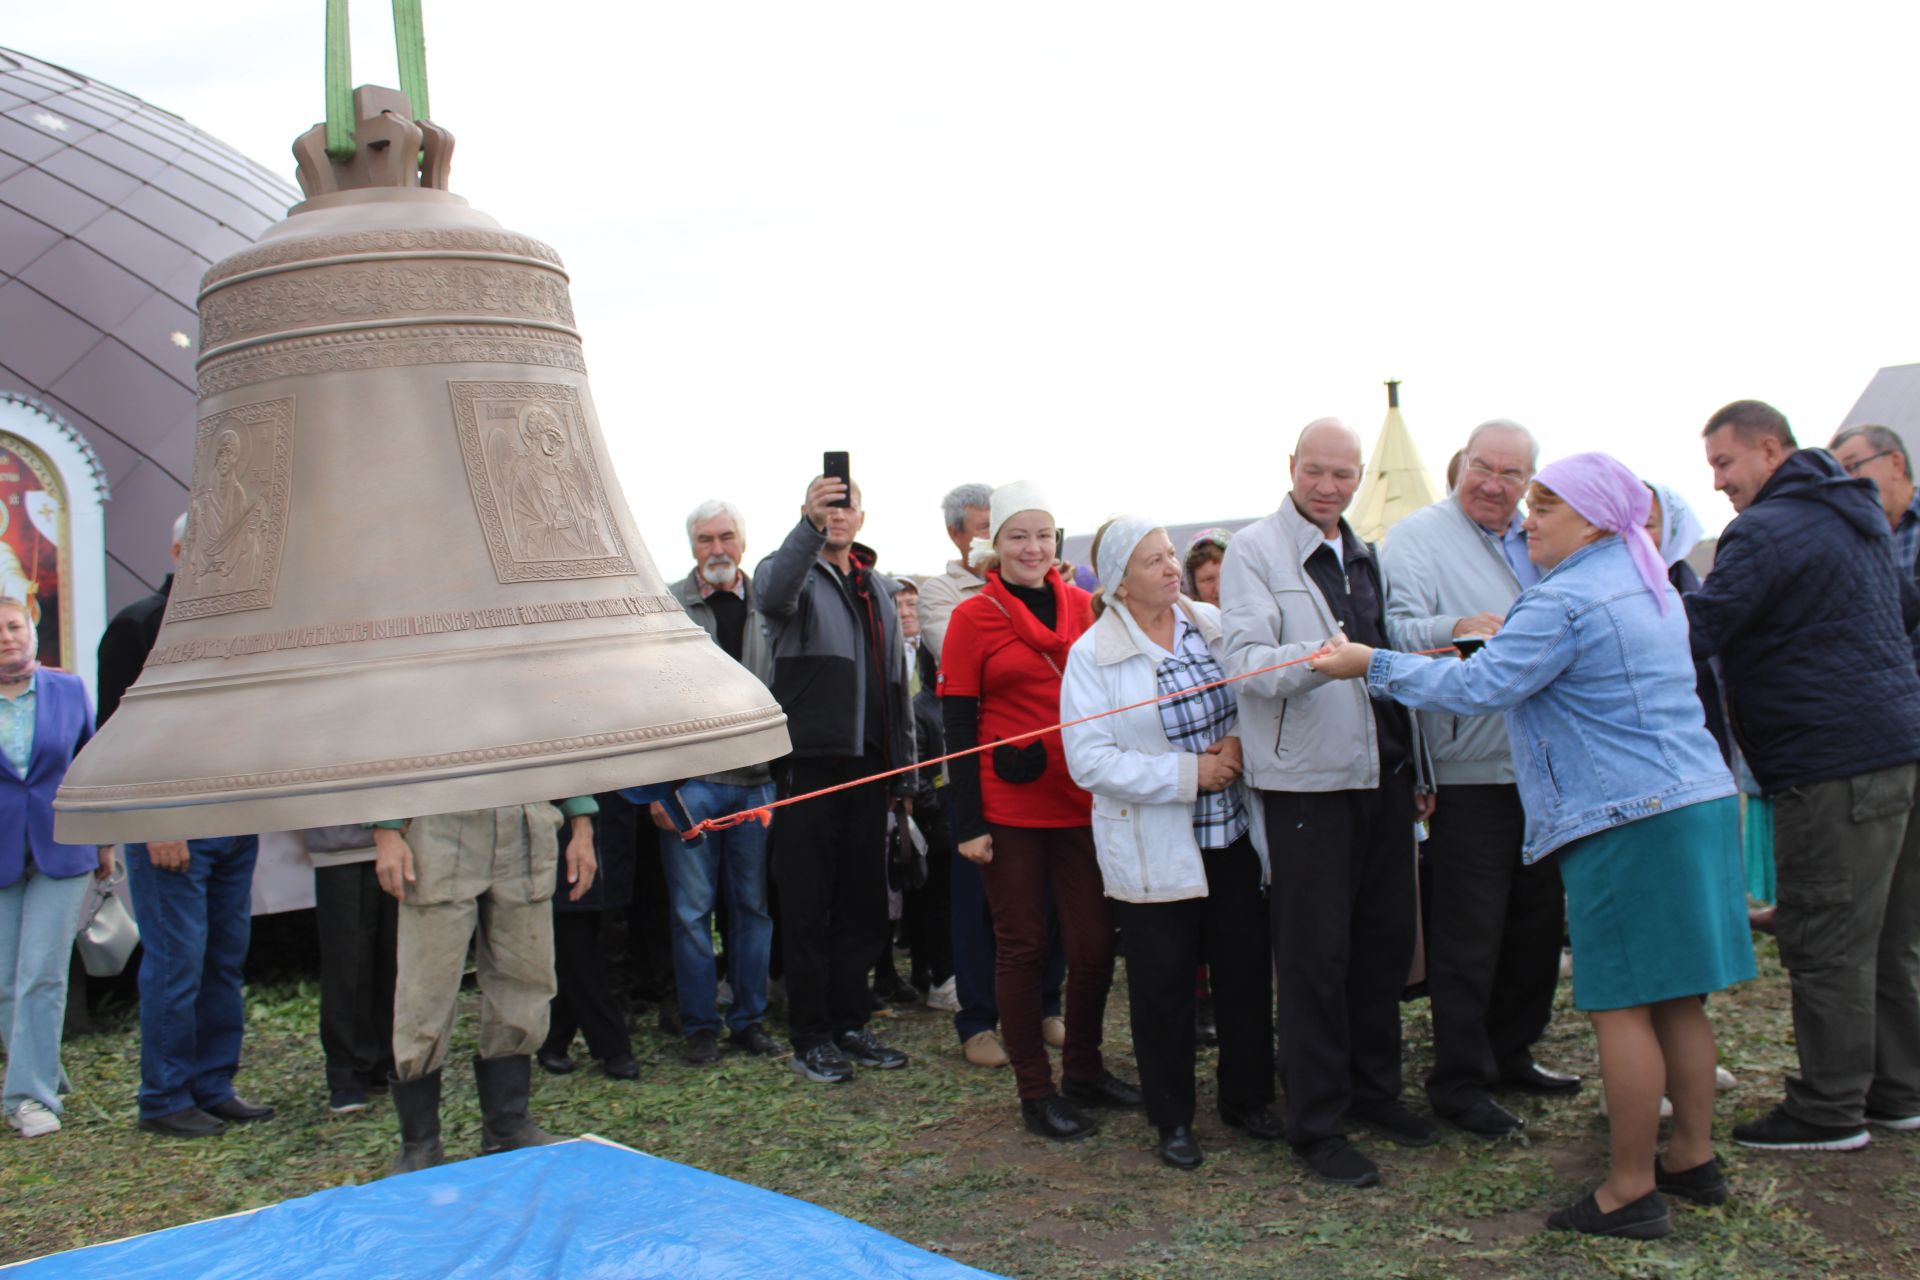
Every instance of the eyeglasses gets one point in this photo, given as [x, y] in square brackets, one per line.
[1505, 479]
[1855, 468]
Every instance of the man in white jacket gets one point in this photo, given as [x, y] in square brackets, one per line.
[1335, 772]
[1493, 948]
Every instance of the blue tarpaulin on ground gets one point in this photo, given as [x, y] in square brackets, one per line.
[585, 1210]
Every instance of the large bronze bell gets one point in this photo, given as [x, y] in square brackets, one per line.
[410, 582]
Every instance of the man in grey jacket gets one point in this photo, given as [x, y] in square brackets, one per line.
[840, 674]
[1336, 772]
[719, 596]
[1493, 942]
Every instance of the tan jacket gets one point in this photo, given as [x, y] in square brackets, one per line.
[939, 597]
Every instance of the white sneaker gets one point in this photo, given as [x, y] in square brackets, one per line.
[34, 1120]
[944, 998]
[1666, 1106]
[1724, 1079]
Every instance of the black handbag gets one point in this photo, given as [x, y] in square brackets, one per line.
[1020, 764]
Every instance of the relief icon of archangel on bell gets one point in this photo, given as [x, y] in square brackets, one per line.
[536, 482]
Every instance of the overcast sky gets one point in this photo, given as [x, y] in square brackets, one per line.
[1126, 251]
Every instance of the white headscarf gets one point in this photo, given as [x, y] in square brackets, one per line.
[1680, 530]
[1117, 545]
[1008, 501]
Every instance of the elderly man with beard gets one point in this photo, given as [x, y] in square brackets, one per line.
[719, 596]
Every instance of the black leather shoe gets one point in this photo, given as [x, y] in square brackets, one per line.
[1703, 1184]
[755, 1040]
[1104, 1090]
[188, 1122]
[1534, 1078]
[1396, 1124]
[621, 1067]
[1255, 1122]
[1178, 1147]
[1054, 1117]
[1337, 1161]
[895, 990]
[554, 1064]
[1645, 1219]
[1486, 1118]
[237, 1110]
[703, 1048]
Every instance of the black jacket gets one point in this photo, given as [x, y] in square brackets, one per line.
[1809, 617]
[822, 650]
[929, 733]
[616, 829]
[126, 644]
[1705, 682]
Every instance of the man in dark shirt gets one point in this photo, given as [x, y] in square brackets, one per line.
[1335, 773]
[719, 596]
[194, 902]
[840, 673]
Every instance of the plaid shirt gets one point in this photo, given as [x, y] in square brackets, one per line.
[1195, 722]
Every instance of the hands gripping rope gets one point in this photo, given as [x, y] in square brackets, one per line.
[764, 814]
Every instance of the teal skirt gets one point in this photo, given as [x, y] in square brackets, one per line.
[1756, 848]
[1657, 908]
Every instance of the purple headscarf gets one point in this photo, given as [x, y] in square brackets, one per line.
[1612, 498]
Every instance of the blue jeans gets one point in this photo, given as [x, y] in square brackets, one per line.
[194, 928]
[735, 861]
[38, 916]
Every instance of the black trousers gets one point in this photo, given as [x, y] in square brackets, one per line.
[1164, 941]
[829, 860]
[649, 924]
[1343, 908]
[583, 1000]
[358, 924]
[1493, 943]
[927, 923]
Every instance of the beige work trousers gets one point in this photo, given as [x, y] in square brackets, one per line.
[485, 876]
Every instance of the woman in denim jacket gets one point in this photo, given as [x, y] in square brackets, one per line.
[1618, 773]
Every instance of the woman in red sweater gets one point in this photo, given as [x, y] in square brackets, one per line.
[1021, 817]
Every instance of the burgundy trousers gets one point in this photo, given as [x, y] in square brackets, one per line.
[1026, 860]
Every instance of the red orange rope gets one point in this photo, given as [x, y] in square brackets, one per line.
[764, 813]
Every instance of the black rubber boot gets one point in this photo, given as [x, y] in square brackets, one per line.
[504, 1124]
[417, 1104]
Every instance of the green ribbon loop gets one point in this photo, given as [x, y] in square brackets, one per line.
[410, 46]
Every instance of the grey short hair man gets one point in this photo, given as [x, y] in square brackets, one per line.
[1880, 455]
[1493, 943]
[719, 596]
[966, 514]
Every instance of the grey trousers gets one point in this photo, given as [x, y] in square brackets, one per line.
[1848, 858]
[485, 876]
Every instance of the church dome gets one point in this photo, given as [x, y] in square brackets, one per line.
[111, 210]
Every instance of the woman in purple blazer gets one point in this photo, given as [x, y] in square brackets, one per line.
[45, 718]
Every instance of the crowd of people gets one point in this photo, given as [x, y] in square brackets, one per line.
[1286, 773]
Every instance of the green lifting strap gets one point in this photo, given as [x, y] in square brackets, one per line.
[410, 47]
[340, 144]
[410, 43]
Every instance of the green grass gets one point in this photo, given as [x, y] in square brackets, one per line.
[935, 1154]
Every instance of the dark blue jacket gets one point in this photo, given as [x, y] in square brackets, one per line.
[62, 724]
[1809, 617]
